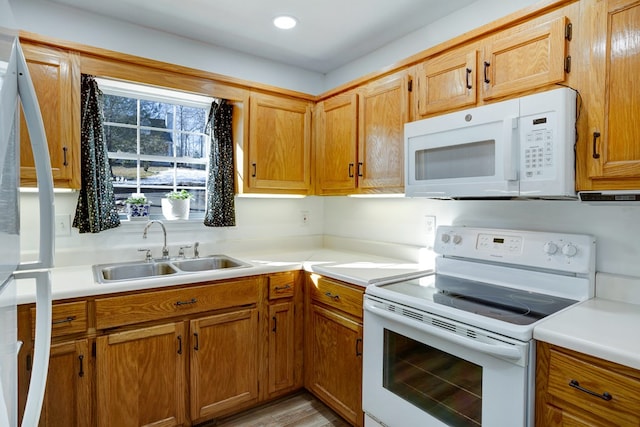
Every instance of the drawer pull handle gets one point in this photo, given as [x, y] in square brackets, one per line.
[179, 344]
[595, 153]
[196, 338]
[333, 297]
[282, 288]
[191, 301]
[359, 347]
[65, 320]
[275, 324]
[604, 396]
[81, 359]
[469, 85]
[486, 74]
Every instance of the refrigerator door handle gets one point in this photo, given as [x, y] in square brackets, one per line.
[42, 346]
[40, 149]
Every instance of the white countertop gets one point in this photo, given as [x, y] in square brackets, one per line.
[604, 327]
[353, 267]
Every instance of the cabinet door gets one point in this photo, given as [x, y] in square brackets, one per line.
[334, 373]
[522, 60]
[224, 362]
[56, 78]
[67, 398]
[279, 157]
[613, 99]
[384, 109]
[140, 377]
[337, 139]
[282, 347]
[448, 81]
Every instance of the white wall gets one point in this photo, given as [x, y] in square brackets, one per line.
[475, 15]
[616, 228]
[59, 21]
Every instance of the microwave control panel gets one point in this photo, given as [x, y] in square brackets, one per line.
[537, 156]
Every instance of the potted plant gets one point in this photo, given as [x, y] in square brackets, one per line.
[176, 204]
[137, 207]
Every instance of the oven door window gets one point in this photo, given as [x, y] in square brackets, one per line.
[474, 159]
[445, 386]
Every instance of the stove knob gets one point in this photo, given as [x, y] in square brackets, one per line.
[550, 248]
[457, 239]
[569, 250]
[445, 238]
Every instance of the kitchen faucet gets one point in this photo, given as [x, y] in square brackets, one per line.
[165, 250]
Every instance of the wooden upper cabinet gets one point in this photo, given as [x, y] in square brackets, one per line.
[279, 155]
[384, 109]
[360, 138]
[518, 59]
[448, 81]
[611, 94]
[336, 143]
[56, 78]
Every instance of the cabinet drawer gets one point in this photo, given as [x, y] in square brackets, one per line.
[621, 409]
[281, 285]
[337, 295]
[67, 318]
[129, 309]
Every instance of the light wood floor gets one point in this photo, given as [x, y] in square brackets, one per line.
[300, 410]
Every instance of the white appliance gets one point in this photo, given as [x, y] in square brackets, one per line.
[521, 147]
[16, 87]
[456, 348]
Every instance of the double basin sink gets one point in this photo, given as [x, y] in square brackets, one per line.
[116, 272]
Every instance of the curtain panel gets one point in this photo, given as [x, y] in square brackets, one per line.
[96, 210]
[220, 207]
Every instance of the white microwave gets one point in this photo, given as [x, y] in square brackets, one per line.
[521, 147]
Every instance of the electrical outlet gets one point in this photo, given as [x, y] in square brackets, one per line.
[305, 217]
[430, 229]
[63, 225]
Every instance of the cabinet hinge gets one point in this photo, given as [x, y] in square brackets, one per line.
[568, 31]
[567, 64]
[93, 349]
[410, 85]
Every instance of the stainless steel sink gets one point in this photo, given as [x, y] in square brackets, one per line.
[214, 262]
[105, 273]
[128, 271]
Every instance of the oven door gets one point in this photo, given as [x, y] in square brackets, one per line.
[471, 153]
[425, 370]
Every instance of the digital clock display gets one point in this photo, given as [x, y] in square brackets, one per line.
[498, 240]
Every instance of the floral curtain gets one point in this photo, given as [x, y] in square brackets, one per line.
[220, 207]
[96, 210]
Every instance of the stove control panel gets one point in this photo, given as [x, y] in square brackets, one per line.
[573, 253]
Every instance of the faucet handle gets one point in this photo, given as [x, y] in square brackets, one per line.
[181, 250]
[147, 256]
[196, 252]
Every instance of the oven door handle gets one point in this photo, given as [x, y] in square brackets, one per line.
[500, 350]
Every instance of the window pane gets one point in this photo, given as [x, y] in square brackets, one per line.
[191, 175]
[121, 140]
[158, 143]
[156, 114]
[190, 119]
[124, 172]
[156, 173]
[119, 109]
[191, 145]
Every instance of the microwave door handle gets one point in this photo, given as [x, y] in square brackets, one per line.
[40, 150]
[510, 145]
[499, 350]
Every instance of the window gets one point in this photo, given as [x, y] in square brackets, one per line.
[156, 142]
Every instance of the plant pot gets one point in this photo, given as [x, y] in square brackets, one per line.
[138, 211]
[176, 208]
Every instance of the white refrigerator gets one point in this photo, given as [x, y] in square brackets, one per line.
[17, 89]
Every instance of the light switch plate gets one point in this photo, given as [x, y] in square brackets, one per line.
[63, 225]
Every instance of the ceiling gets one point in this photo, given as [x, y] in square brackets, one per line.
[330, 33]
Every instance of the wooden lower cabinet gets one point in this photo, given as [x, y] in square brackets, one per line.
[141, 376]
[333, 352]
[574, 389]
[224, 363]
[68, 393]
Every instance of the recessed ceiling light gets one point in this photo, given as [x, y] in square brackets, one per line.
[285, 22]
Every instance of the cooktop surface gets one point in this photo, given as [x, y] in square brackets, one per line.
[498, 302]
